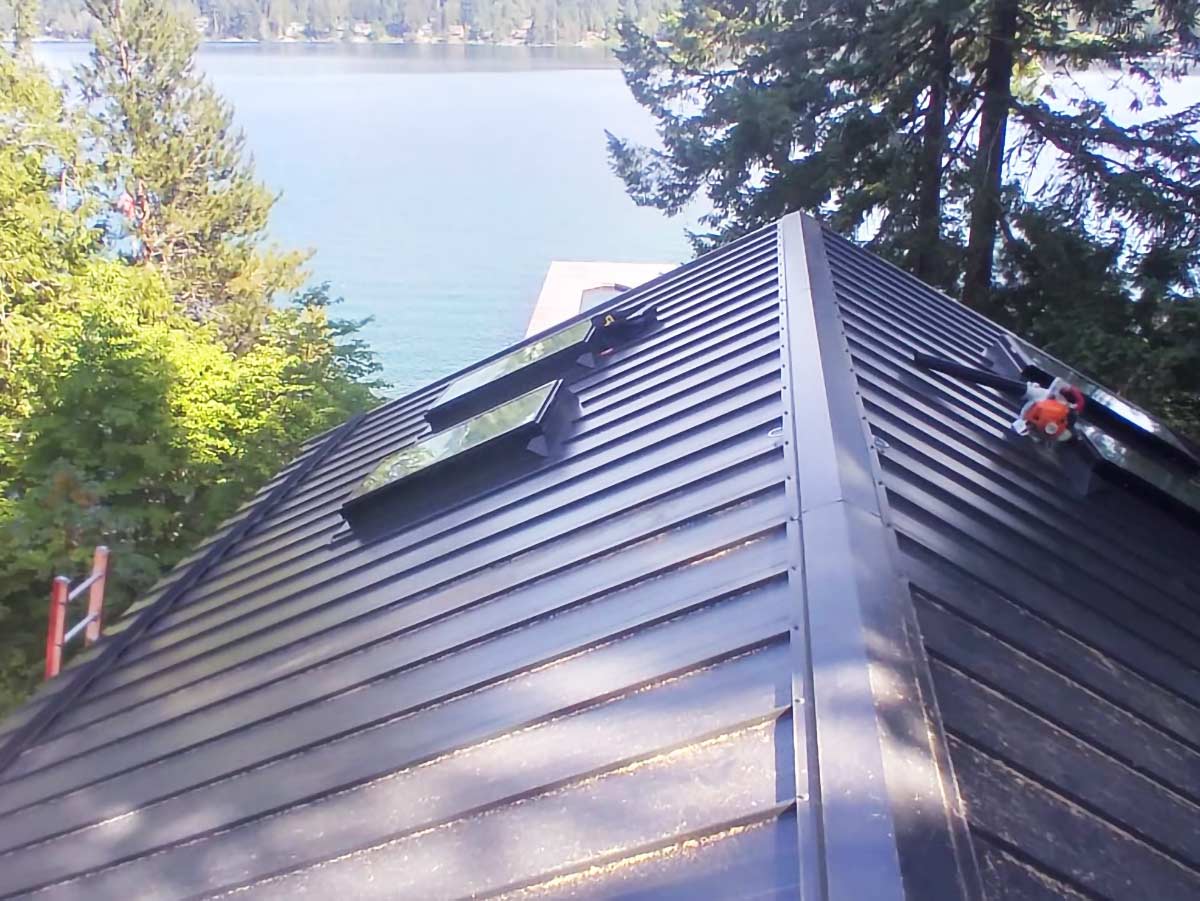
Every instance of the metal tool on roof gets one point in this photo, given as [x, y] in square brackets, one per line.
[1048, 412]
[618, 326]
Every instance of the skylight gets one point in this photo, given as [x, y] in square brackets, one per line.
[559, 355]
[470, 435]
[572, 337]
[515, 372]
[1104, 404]
[468, 460]
[1174, 481]
[474, 456]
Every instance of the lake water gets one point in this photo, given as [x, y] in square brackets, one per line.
[436, 183]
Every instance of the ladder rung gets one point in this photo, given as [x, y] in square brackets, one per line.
[84, 585]
[77, 628]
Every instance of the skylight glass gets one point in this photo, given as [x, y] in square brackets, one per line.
[458, 439]
[1174, 481]
[1123, 410]
[557, 342]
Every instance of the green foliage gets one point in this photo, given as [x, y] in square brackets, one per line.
[41, 243]
[915, 126]
[1137, 331]
[768, 108]
[127, 419]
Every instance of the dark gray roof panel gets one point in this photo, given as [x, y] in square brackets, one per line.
[670, 428]
[642, 804]
[597, 652]
[700, 497]
[1062, 631]
[788, 617]
[753, 859]
[433, 767]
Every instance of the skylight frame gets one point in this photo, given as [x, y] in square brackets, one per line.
[1041, 367]
[575, 337]
[468, 439]
[1179, 484]
[1121, 437]
[563, 354]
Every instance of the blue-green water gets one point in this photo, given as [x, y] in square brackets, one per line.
[436, 183]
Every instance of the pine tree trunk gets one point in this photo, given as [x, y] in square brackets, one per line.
[989, 169]
[25, 25]
[933, 141]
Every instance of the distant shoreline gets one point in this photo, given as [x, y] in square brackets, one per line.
[365, 42]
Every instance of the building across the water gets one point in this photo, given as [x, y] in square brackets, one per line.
[712, 590]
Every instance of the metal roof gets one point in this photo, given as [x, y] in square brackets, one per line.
[1062, 631]
[789, 617]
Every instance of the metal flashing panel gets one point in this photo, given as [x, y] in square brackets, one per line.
[886, 809]
[1174, 483]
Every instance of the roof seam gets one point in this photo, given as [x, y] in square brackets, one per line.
[812, 878]
[85, 675]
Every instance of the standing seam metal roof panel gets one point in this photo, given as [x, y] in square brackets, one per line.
[788, 618]
[1062, 631]
[578, 678]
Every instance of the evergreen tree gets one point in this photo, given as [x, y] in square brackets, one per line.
[189, 194]
[1142, 178]
[943, 134]
[496, 20]
[277, 17]
[25, 24]
[829, 107]
[890, 116]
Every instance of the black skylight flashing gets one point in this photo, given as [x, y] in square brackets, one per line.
[454, 462]
[1123, 444]
[1170, 484]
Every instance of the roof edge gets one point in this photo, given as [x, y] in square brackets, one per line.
[885, 813]
[24, 736]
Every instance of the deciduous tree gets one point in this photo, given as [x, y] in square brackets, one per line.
[125, 420]
[944, 134]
